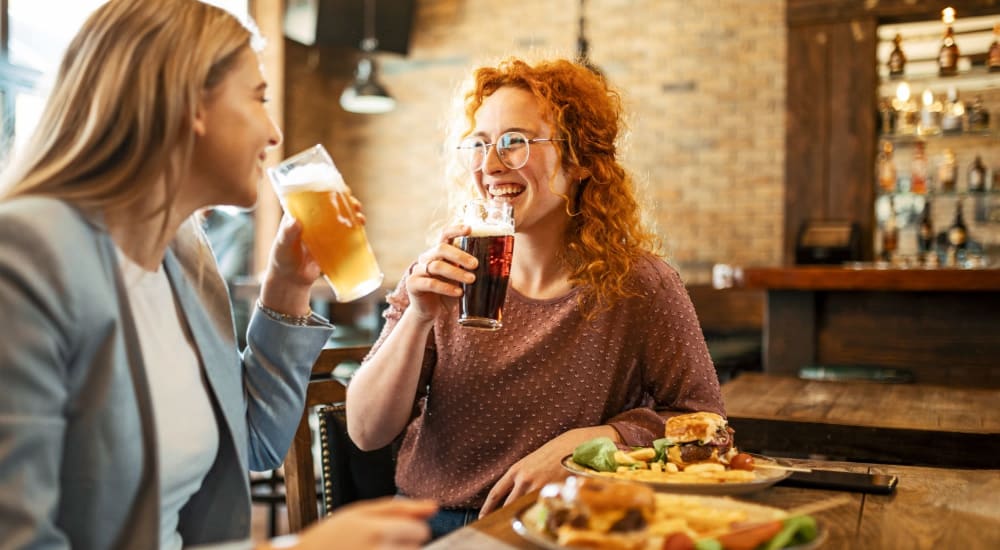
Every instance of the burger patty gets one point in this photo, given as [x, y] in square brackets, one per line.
[696, 453]
[693, 452]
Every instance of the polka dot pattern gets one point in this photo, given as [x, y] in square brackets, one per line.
[493, 397]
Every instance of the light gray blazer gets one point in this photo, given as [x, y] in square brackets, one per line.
[77, 448]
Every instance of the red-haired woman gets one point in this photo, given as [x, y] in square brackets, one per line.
[599, 335]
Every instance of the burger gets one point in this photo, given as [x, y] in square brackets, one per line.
[699, 437]
[593, 513]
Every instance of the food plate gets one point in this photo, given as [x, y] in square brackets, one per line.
[537, 537]
[763, 478]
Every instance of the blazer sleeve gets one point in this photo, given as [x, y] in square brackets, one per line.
[34, 347]
[277, 363]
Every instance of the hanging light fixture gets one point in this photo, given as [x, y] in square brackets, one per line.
[365, 94]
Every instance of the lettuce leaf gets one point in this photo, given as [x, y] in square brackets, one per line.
[598, 453]
[661, 445]
[797, 530]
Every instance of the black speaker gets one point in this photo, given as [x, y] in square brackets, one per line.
[340, 23]
[828, 242]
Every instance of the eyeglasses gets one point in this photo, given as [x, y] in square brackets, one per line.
[513, 149]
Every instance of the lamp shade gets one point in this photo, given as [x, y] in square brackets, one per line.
[365, 94]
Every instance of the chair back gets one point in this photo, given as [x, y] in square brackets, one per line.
[300, 474]
[350, 474]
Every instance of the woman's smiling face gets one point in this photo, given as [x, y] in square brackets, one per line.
[537, 189]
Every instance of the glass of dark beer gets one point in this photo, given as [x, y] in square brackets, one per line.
[492, 243]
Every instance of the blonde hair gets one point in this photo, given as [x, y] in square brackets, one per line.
[122, 108]
[605, 237]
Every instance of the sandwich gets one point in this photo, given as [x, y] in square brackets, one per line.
[593, 513]
[696, 438]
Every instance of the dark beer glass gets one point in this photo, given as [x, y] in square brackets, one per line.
[492, 243]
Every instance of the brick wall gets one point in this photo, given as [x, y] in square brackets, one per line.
[704, 83]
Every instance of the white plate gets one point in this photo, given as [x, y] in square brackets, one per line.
[540, 539]
[764, 478]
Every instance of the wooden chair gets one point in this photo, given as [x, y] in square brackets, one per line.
[348, 473]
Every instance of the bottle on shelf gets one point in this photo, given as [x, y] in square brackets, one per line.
[948, 55]
[890, 233]
[886, 169]
[947, 173]
[930, 115]
[993, 57]
[957, 237]
[886, 117]
[953, 113]
[977, 176]
[925, 233]
[918, 170]
[906, 109]
[897, 59]
[979, 117]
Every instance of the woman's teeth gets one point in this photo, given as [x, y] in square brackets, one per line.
[506, 190]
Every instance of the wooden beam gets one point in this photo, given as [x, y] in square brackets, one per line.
[269, 16]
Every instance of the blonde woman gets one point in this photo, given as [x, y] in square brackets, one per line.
[599, 336]
[128, 418]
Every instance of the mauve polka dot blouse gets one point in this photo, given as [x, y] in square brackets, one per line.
[487, 399]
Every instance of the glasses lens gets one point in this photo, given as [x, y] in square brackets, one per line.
[472, 150]
[513, 150]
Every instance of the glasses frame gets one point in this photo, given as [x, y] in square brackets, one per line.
[503, 160]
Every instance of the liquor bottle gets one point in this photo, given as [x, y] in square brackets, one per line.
[925, 233]
[948, 55]
[906, 109]
[897, 59]
[993, 57]
[887, 117]
[947, 172]
[930, 115]
[977, 176]
[918, 170]
[890, 233]
[953, 113]
[886, 169]
[979, 117]
[958, 233]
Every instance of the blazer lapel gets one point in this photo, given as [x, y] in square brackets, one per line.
[218, 352]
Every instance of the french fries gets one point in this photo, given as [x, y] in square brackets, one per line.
[643, 464]
[711, 476]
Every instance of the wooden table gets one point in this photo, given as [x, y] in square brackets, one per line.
[932, 508]
[866, 421]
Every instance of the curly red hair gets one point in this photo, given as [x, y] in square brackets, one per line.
[605, 236]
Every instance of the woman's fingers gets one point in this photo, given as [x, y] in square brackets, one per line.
[497, 494]
[356, 204]
[403, 506]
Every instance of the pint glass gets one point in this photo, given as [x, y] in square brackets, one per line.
[492, 243]
[312, 190]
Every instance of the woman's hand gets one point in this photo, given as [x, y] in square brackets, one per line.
[438, 274]
[542, 466]
[291, 271]
[385, 523]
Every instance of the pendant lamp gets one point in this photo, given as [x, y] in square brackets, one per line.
[366, 95]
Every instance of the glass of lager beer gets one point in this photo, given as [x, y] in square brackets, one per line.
[492, 243]
[312, 190]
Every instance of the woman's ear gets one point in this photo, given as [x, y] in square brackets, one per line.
[199, 124]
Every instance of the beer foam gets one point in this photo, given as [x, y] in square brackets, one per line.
[313, 177]
[484, 229]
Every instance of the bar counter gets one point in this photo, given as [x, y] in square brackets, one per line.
[868, 277]
[938, 326]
